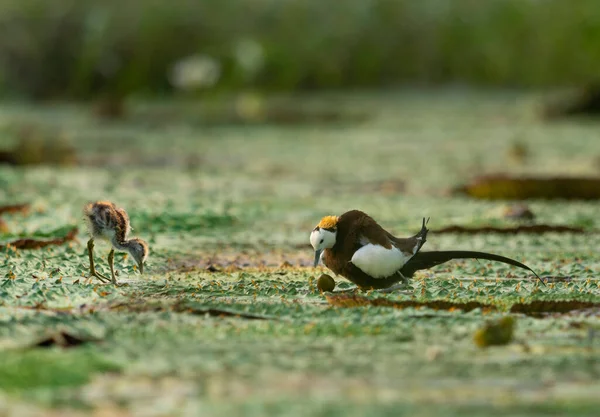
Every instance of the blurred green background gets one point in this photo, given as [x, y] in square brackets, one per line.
[81, 48]
[227, 129]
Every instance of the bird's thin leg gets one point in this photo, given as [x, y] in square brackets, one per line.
[93, 272]
[395, 287]
[399, 286]
[111, 263]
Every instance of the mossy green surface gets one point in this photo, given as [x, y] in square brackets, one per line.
[227, 211]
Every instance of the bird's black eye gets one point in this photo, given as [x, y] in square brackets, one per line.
[321, 240]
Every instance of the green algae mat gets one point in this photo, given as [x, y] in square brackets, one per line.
[227, 319]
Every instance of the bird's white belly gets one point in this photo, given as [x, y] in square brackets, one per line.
[379, 262]
[106, 234]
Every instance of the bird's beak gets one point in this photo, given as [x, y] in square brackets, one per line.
[317, 256]
[141, 268]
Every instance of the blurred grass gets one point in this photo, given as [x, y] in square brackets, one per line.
[81, 48]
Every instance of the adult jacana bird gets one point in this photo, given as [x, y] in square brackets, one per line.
[354, 246]
[107, 222]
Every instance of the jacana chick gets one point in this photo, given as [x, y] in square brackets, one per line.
[354, 246]
[107, 222]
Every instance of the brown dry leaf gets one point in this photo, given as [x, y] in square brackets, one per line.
[503, 187]
[554, 306]
[534, 308]
[15, 208]
[217, 312]
[62, 339]
[37, 244]
[12, 208]
[526, 229]
[352, 300]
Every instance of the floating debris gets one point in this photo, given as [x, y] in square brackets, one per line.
[217, 312]
[496, 333]
[519, 212]
[63, 339]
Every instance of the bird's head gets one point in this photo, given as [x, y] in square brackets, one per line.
[139, 251]
[323, 236]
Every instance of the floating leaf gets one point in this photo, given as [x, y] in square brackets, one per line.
[37, 244]
[503, 187]
[349, 301]
[552, 306]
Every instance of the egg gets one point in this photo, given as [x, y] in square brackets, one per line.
[325, 283]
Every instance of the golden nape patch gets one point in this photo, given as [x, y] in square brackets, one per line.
[328, 222]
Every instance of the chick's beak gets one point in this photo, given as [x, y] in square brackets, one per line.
[141, 268]
[317, 256]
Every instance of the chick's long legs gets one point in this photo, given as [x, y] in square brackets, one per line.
[93, 272]
[111, 263]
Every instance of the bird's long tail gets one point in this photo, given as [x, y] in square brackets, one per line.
[426, 260]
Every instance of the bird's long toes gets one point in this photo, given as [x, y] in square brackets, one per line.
[347, 290]
[99, 276]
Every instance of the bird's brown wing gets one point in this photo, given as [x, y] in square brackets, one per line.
[369, 231]
[122, 224]
[411, 244]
